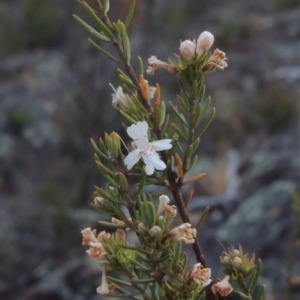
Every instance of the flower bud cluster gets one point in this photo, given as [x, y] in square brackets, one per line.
[189, 49]
[235, 262]
[193, 60]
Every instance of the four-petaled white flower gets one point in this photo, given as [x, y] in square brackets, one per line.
[145, 149]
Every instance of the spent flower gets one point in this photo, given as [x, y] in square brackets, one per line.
[222, 287]
[185, 233]
[164, 206]
[201, 275]
[155, 63]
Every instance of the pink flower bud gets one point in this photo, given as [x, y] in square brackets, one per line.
[187, 49]
[205, 41]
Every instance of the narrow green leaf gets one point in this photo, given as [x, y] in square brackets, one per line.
[198, 115]
[162, 113]
[129, 118]
[102, 26]
[180, 116]
[125, 42]
[166, 123]
[149, 213]
[130, 12]
[143, 281]
[179, 132]
[260, 295]
[206, 124]
[141, 184]
[202, 91]
[106, 5]
[112, 225]
[192, 162]
[98, 151]
[206, 106]
[102, 147]
[104, 51]
[141, 65]
[105, 170]
[118, 281]
[183, 103]
[202, 218]
[141, 266]
[126, 80]
[195, 144]
[139, 104]
[194, 89]
[255, 276]
[91, 30]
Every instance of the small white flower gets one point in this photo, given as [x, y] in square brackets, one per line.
[155, 63]
[120, 98]
[205, 41]
[105, 288]
[187, 49]
[145, 149]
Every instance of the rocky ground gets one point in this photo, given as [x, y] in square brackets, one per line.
[54, 96]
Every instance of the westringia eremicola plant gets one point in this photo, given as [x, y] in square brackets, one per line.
[161, 149]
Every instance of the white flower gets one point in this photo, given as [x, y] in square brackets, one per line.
[158, 64]
[119, 98]
[223, 287]
[187, 49]
[205, 41]
[145, 149]
[201, 275]
[105, 288]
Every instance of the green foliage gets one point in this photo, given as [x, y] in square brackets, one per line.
[163, 150]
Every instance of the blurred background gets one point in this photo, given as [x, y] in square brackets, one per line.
[54, 96]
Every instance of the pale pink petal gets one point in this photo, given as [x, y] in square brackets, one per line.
[132, 158]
